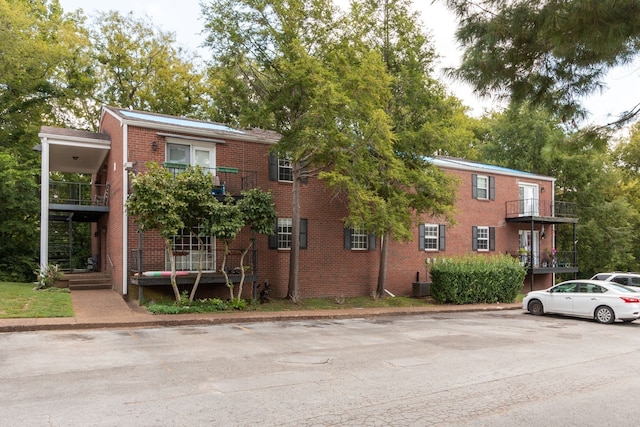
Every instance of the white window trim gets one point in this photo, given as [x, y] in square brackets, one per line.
[484, 239]
[284, 222]
[359, 235]
[285, 164]
[486, 188]
[193, 147]
[428, 227]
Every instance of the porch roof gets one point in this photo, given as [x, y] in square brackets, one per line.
[73, 150]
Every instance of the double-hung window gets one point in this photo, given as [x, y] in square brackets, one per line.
[483, 187]
[280, 169]
[483, 238]
[283, 234]
[357, 239]
[285, 170]
[431, 237]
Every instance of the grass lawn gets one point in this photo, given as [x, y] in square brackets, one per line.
[19, 300]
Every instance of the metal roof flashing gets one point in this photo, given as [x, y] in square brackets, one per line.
[189, 126]
[461, 164]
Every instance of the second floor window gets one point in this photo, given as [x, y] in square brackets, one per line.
[483, 187]
[285, 170]
[179, 154]
[280, 169]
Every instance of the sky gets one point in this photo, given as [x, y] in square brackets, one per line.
[183, 18]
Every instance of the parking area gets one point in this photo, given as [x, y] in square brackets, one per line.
[483, 368]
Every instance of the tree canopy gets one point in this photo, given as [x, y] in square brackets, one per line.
[550, 53]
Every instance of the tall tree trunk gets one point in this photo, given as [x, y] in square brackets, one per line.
[382, 269]
[242, 267]
[195, 285]
[294, 256]
[223, 268]
[172, 260]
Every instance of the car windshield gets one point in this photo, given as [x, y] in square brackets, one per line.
[622, 288]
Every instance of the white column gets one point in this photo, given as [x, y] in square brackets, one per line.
[44, 203]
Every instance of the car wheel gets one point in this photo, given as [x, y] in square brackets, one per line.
[535, 307]
[604, 314]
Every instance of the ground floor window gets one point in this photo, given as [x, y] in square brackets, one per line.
[188, 253]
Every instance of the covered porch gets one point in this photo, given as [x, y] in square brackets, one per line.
[65, 204]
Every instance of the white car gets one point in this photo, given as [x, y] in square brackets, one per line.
[593, 299]
[627, 279]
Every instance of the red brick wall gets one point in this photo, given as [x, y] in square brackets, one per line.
[326, 268]
[111, 228]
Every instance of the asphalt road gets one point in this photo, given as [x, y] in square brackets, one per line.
[502, 368]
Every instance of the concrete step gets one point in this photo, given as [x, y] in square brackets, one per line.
[88, 281]
[89, 287]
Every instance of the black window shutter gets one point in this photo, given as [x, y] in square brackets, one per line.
[372, 242]
[441, 236]
[474, 237]
[492, 188]
[492, 238]
[273, 238]
[474, 186]
[421, 237]
[303, 233]
[347, 238]
[273, 167]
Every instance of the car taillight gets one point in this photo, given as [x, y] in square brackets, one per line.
[629, 299]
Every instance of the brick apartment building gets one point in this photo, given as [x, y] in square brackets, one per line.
[498, 211]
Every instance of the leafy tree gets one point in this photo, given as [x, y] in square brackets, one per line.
[259, 214]
[155, 206]
[224, 222]
[277, 53]
[254, 209]
[551, 53]
[403, 117]
[20, 214]
[39, 46]
[521, 137]
[530, 139]
[138, 66]
[627, 160]
[192, 187]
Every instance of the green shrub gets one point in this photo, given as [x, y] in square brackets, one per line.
[477, 279]
[207, 305]
[47, 276]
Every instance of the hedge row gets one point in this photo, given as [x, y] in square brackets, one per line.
[476, 279]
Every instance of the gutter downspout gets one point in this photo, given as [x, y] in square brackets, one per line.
[125, 223]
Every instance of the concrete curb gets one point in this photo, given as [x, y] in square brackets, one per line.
[142, 320]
